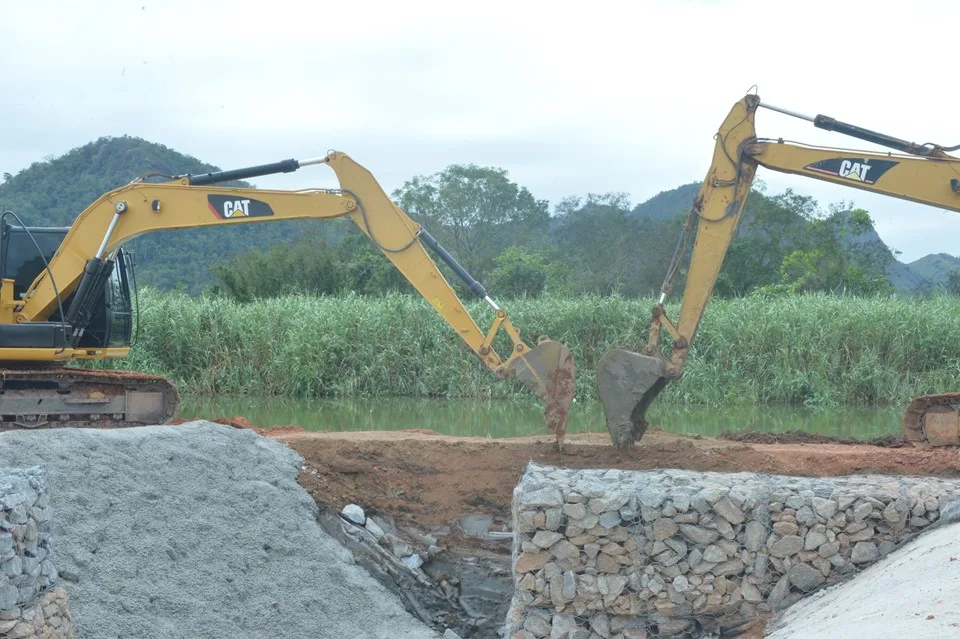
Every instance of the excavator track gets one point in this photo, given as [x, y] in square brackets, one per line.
[933, 420]
[60, 397]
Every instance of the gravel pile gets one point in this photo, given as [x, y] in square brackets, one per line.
[669, 553]
[197, 530]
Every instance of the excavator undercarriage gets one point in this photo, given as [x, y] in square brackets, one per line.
[66, 397]
[933, 420]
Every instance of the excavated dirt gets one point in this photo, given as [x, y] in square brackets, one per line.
[437, 479]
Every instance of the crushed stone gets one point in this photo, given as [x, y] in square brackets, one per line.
[198, 530]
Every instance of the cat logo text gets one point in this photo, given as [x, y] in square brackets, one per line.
[226, 207]
[862, 170]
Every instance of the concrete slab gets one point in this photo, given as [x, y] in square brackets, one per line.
[914, 592]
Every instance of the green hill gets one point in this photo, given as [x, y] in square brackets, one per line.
[935, 268]
[54, 192]
[666, 205]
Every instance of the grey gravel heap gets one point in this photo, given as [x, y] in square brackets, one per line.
[611, 554]
[198, 530]
[31, 603]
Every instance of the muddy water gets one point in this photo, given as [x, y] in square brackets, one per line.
[510, 419]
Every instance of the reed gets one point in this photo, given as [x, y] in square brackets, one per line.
[814, 350]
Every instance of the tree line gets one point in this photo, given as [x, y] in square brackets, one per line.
[595, 244]
[515, 243]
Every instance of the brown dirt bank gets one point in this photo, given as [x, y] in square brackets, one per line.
[435, 479]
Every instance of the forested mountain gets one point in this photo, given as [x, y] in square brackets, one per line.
[53, 192]
[936, 268]
[666, 205]
[515, 243]
[919, 277]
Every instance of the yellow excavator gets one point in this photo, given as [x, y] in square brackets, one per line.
[628, 382]
[65, 293]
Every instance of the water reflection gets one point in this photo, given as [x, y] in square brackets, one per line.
[511, 418]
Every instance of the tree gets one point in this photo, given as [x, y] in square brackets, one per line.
[309, 266]
[475, 212]
[839, 254]
[519, 272]
[953, 283]
[771, 228]
[608, 249]
[365, 269]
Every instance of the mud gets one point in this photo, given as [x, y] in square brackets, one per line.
[548, 370]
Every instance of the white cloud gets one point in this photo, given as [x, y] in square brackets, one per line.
[598, 96]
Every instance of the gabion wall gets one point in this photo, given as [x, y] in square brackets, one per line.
[32, 604]
[665, 553]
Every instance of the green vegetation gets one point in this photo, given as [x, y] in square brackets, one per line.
[508, 238]
[940, 269]
[809, 349]
[496, 418]
[598, 244]
[309, 266]
[53, 192]
[803, 312]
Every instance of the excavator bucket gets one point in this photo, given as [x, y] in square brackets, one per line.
[627, 383]
[549, 372]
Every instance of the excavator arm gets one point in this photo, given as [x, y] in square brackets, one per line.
[628, 382]
[81, 265]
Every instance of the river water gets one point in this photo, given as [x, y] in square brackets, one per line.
[514, 418]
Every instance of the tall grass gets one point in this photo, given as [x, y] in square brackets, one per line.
[814, 350]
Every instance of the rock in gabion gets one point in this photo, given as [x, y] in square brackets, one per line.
[615, 554]
[31, 602]
[48, 618]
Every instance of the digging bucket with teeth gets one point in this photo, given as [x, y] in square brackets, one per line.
[548, 371]
[627, 384]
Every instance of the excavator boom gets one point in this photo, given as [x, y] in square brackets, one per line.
[629, 382]
[59, 303]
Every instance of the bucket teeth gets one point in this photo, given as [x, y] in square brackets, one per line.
[548, 371]
[627, 383]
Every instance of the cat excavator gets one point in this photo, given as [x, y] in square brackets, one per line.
[65, 293]
[628, 382]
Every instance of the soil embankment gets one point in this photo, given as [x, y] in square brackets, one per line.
[436, 479]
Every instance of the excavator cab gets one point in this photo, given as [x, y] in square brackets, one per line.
[20, 260]
[111, 319]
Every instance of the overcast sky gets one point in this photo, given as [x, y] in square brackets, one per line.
[601, 96]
